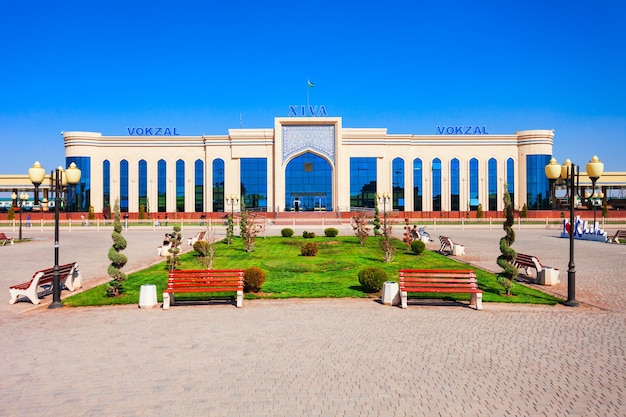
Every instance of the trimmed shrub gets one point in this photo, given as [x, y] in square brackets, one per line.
[202, 247]
[331, 232]
[308, 235]
[309, 249]
[253, 278]
[417, 246]
[372, 279]
[286, 232]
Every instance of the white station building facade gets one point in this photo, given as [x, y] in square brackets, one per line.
[310, 164]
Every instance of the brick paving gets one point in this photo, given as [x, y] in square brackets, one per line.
[318, 357]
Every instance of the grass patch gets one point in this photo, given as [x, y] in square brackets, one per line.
[332, 273]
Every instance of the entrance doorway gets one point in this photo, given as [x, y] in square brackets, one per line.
[308, 179]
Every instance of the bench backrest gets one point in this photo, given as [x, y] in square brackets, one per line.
[437, 278]
[529, 260]
[3, 236]
[620, 234]
[48, 273]
[227, 279]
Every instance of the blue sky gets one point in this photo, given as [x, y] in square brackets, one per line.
[408, 66]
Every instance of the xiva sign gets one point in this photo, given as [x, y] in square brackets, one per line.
[462, 130]
[583, 231]
[307, 111]
[152, 131]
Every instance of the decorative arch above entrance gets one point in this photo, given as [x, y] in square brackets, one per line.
[308, 184]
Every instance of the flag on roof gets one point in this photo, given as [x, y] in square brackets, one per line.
[310, 83]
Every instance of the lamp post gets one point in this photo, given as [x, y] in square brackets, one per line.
[594, 172]
[231, 200]
[384, 198]
[58, 180]
[23, 198]
[36, 173]
[553, 172]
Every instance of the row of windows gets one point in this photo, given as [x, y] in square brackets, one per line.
[309, 183]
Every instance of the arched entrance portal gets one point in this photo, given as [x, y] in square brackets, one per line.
[309, 180]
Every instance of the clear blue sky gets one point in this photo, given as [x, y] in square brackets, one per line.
[409, 66]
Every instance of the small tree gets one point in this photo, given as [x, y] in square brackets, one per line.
[230, 229]
[387, 243]
[91, 215]
[206, 251]
[173, 261]
[508, 255]
[250, 229]
[605, 210]
[142, 212]
[118, 260]
[479, 211]
[524, 213]
[376, 223]
[359, 225]
[11, 213]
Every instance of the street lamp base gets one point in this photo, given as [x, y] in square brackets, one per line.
[55, 304]
[572, 303]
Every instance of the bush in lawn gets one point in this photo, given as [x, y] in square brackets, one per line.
[253, 278]
[286, 232]
[331, 232]
[372, 279]
[308, 235]
[202, 247]
[309, 249]
[417, 246]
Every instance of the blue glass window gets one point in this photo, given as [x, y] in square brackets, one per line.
[510, 179]
[492, 167]
[417, 184]
[218, 185]
[397, 167]
[455, 185]
[143, 186]
[362, 182]
[436, 184]
[198, 186]
[79, 197]
[537, 184]
[180, 186]
[106, 186]
[308, 184]
[473, 184]
[254, 183]
[124, 186]
[161, 185]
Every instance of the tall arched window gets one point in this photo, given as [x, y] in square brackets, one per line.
[455, 185]
[417, 184]
[143, 186]
[162, 185]
[106, 186]
[436, 180]
[397, 167]
[218, 185]
[473, 184]
[510, 179]
[198, 186]
[492, 167]
[180, 186]
[124, 185]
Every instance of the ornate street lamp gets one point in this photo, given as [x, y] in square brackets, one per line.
[384, 198]
[553, 172]
[595, 168]
[36, 174]
[59, 179]
[23, 198]
[231, 200]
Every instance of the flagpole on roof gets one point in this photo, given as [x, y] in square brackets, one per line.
[309, 85]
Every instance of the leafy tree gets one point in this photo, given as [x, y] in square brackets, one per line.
[508, 255]
[118, 260]
[173, 261]
[11, 213]
[91, 215]
[376, 221]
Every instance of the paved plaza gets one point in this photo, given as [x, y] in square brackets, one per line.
[321, 357]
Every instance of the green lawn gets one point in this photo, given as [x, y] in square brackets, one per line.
[332, 273]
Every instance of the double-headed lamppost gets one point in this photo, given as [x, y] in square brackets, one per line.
[23, 198]
[595, 168]
[384, 198]
[59, 179]
[231, 200]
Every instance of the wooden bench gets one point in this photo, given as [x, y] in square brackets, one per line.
[440, 281]
[69, 278]
[542, 273]
[204, 280]
[199, 236]
[620, 234]
[454, 248]
[5, 239]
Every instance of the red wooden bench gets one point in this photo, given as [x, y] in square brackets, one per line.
[440, 281]
[5, 239]
[204, 280]
[69, 278]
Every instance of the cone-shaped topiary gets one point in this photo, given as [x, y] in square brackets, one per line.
[117, 259]
[508, 255]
